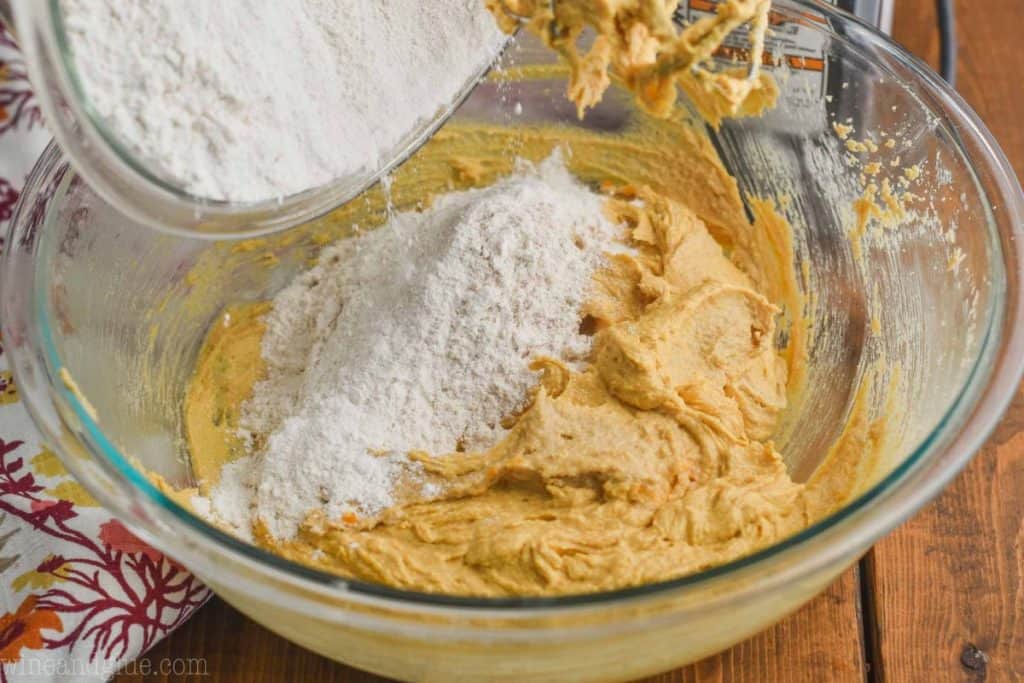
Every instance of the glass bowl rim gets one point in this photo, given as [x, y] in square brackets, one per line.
[967, 398]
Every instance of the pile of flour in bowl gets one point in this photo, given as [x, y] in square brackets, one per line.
[415, 336]
[246, 100]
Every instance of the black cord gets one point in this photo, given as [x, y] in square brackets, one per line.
[947, 41]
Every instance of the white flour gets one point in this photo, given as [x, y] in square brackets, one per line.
[248, 100]
[416, 336]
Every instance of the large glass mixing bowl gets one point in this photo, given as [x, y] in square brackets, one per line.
[118, 306]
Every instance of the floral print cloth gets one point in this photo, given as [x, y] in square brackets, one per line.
[80, 594]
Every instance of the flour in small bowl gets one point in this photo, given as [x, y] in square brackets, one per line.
[246, 100]
[415, 336]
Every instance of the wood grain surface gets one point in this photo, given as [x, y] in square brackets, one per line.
[941, 599]
[947, 588]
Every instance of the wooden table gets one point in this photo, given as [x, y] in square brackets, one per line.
[940, 599]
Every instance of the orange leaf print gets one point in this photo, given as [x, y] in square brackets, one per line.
[117, 536]
[22, 629]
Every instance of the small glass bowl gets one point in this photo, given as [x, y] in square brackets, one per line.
[132, 186]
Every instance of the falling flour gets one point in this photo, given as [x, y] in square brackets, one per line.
[415, 336]
[248, 100]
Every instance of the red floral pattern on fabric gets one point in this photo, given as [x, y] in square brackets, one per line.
[18, 106]
[8, 198]
[114, 584]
